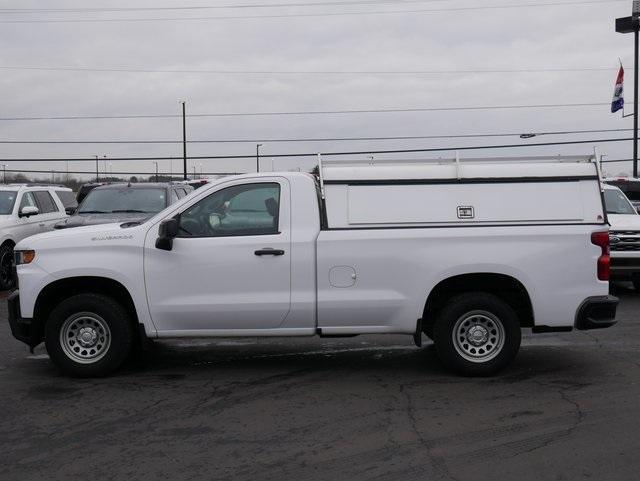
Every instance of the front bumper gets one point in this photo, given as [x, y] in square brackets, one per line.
[24, 330]
[596, 313]
[624, 268]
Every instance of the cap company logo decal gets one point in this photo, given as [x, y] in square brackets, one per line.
[112, 237]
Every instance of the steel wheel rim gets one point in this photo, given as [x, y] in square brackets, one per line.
[478, 336]
[85, 337]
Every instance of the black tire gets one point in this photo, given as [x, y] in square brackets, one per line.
[107, 326]
[7, 280]
[483, 315]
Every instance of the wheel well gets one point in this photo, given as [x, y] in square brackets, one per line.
[9, 242]
[62, 289]
[507, 288]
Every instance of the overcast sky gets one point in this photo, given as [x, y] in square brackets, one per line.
[580, 35]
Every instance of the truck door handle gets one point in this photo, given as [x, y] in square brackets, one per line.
[269, 252]
[41, 224]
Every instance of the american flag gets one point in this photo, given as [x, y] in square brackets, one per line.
[618, 92]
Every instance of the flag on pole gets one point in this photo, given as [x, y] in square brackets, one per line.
[618, 92]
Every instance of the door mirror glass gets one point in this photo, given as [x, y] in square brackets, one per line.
[28, 211]
[70, 210]
[167, 231]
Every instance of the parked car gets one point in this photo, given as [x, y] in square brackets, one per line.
[400, 249]
[132, 203]
[197, 183]
[86, 188]
[25, 210]
[624, 236]
[630, 187]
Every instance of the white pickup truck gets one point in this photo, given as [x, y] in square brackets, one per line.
[468, 253]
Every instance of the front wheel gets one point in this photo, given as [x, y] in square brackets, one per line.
[6, 267]
[477, 334]
[88, 335]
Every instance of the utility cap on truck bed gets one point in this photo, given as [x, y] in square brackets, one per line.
[493, 191]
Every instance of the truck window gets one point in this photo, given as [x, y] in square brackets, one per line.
[7, 199]
[241, 210]
[617, 203]
[67, 198]
[45, 201]
[27, 201]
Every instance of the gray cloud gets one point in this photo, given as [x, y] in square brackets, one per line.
[569, 36]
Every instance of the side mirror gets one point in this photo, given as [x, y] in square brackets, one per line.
[28, 211]
[167, 231]
[70, 210]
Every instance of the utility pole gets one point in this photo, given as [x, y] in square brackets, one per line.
[156, 171]
[258, 157]
[632, 25]
[97, 172]
[184, 139]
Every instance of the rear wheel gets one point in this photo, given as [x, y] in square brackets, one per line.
[6, 267]
[477, 334]
[88, 335]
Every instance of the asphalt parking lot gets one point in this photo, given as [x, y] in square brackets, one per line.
[360, 408]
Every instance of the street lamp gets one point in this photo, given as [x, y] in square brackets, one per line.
[258, 157]
[632, 25]
[156, 170]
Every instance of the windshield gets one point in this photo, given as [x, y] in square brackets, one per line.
[7, 199]
[124, 200]
[617, 203]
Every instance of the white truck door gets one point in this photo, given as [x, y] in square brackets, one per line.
[230, 266]
[49, 210]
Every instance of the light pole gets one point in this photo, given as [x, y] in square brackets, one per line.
[258, 157]
[184, 139]
[97, 172]
[156, 170]
[200, 170]
[632, 25]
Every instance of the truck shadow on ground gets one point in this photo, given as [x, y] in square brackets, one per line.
[173, 362]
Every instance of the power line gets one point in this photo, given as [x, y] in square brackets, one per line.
[309, 72]
[310, 112]
[326, 14]
[211, 7]
[329, 154]
[317, 139]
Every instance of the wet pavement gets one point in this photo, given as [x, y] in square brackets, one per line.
[370, 407]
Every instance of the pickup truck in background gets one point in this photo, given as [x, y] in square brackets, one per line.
[468, 253]
[624, 236]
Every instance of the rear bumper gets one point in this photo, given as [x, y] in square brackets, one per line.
[24, 330]
[596, 313]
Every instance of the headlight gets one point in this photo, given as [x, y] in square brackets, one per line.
[24, 257]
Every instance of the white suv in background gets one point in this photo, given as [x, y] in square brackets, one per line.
[26, 210]
[624, 236]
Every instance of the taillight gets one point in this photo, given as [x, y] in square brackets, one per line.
[601, 239]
